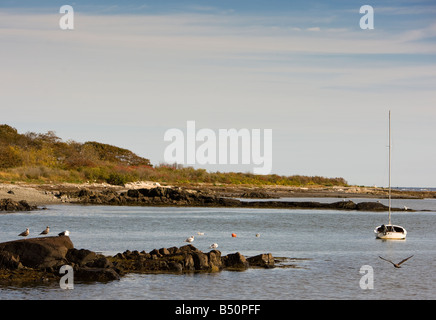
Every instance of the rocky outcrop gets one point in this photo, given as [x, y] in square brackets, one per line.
[165, 196]
[159, 196]
[339, 205]
[235, 261]
[374, 206]
[178, 260]
[186, 259]
[39, 253]
[45, 255]
[257, 194]
[265, 260]
[41, 258]
[11, 205]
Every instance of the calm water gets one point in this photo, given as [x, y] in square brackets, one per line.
[336, 244]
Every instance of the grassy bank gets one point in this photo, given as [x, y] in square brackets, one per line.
[45, 158]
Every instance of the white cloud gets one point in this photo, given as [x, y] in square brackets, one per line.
[314, 29]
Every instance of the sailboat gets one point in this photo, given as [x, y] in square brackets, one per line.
[390, 231]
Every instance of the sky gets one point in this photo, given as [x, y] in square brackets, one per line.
[131, 70]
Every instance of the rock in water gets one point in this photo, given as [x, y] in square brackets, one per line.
[235, 261]
[264, 260]
[11, 205]
[39, 253]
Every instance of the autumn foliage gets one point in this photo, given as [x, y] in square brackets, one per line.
[44, 157]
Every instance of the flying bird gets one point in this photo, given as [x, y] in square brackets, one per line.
[64, 233]
[46, 231]
[190, 239]
[396, 265]
[24, 233]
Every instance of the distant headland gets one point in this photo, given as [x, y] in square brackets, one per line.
[41, 169]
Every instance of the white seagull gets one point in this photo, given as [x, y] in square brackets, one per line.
[213, 246]
[190, 239]
[24, 233]
[200, 233]
[46, 231]
[64, 233]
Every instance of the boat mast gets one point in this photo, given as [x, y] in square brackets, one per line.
[390, 152]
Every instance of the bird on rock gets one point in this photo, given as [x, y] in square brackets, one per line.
[46, 231]
[190, 239]
[24, 233]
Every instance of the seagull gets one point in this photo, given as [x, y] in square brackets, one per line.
[213, 246]
[257, 235]
[200, 233]
[64, 233]
[190, 239]
[46, 231]
[24, 233]
[396, 265]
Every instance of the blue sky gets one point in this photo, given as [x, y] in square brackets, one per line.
[131, 70]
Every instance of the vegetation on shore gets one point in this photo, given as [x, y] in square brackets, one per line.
[45, 158]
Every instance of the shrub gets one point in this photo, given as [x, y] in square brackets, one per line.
[118, 179]
[10, 157]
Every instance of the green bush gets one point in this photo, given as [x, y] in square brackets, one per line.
[118, 179]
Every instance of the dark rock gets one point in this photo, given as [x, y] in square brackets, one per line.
[120, 256]
[45, 255]
[234, 261]
[264, 260]
[11, 205]
[173, 250]
[215, 262]
[164, 196]
[259, 194]
[85, 193]
[96, 274]
[38, 258]
[39, 253]
[188, 262]
[164, 251]
[371, 206]
[188, 248]
[136, 253]
[100, 262]
[201, 261]
[9, 261]
[155, 253]
[80, 257]
[228, 202]
[133, 193]
[175, 266]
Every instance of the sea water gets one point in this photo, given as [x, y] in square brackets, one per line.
[327, 249]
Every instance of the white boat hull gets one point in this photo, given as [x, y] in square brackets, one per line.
[390, 232]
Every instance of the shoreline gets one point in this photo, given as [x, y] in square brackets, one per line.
[48, 194]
